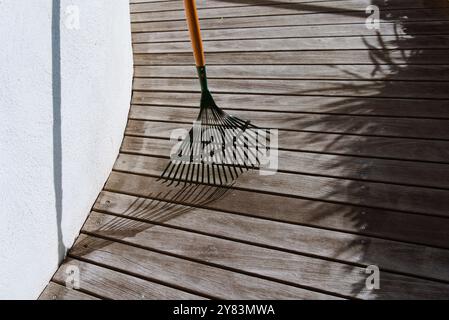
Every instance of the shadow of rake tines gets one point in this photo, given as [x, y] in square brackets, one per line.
[144, 213]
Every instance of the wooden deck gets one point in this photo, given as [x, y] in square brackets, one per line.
[363, 119]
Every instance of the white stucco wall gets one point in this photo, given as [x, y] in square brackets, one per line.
[96, 79]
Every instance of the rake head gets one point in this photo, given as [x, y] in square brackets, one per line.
[217, 149]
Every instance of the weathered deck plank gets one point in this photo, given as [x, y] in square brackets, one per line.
[313, 57]
[344, 144]
[110, 284]
[206, 280]
[369, 125]
[153, 6]
[343, 7]
[358, 17]
[387, 29]
[363, 193]
[299, 72]
[346, 88]
[369, 106]
[55, 291]
[331, 43]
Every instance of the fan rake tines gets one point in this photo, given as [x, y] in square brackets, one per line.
[218, 148]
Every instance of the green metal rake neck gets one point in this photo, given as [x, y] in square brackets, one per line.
[207, 102]
[203, 79]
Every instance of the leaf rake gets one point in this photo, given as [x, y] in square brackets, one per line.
[219, 147]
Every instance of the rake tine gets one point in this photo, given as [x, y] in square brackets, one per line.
[223, 120]
[235, 145]
[220, 125]
[216, 160]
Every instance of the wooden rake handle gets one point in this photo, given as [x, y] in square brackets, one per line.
[195, 32]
